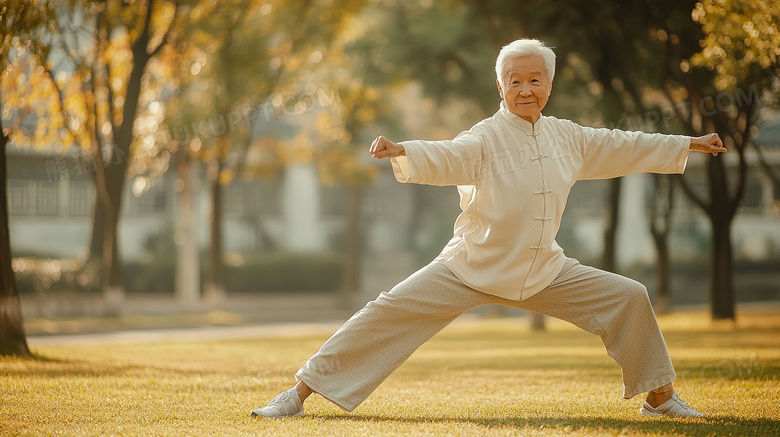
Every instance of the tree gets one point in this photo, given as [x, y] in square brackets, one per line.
[342, 136]
[110, 183]
[740, 59]
[13, 340]
[95, 56]
[341, 140]
[660, 227]
[234, 58]
[21, 24]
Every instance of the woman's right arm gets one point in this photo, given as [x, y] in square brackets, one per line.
[449, 162]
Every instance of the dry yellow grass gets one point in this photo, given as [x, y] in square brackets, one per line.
[483, 377]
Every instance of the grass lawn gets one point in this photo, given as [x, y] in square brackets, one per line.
[477, 377]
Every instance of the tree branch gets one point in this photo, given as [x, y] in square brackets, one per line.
[70, 53]
[743, 169]
[60, 100]
[100, 174]
[139, 46]
[147, 20]
[693, 96]
[688, 126]
[96, 124]
[111, 109]
[768, 170]
[685, 124]
[167, 34]
[692, 195]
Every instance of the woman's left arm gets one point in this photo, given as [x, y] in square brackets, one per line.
[612, 153]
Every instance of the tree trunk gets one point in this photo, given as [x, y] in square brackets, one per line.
[720, 211]
[721, 268]
[664, 298]
[613, 107]
[352, 266]
[721, 273]
[214, 289]
[94, 262]
[113, 290]
[537, 322]
[660, 226]
[13, 340]
[608, 261]
[98, 230]
[188, 262]
[116, 168]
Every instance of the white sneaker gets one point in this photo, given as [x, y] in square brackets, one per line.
[673, 407]
[285, 404]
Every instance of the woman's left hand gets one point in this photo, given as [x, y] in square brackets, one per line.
[709, 143]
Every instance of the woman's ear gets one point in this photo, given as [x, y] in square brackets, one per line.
[549, 89]
[500, 91]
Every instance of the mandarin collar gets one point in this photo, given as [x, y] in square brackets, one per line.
[517, 121]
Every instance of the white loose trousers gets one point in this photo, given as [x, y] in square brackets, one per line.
[382, 335]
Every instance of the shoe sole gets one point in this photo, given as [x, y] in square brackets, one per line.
[654, 414]
[298, 414]
[649, 413]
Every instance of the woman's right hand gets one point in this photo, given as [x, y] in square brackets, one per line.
[384, 148]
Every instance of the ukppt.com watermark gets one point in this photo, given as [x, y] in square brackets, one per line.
[279, 108]
[708, 106]
[274, 379]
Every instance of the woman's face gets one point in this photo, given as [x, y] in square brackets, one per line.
[527, 87]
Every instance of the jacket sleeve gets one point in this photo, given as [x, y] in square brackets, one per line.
[449, 162]
[612, 153]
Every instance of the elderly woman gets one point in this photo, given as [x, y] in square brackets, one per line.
[513, 171]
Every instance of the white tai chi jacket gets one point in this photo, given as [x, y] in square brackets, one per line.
[514, 178]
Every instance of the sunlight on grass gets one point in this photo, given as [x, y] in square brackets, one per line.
[478, 377]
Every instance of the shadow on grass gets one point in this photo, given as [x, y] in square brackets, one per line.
[718, 425]
[44, 359]
[33, 357]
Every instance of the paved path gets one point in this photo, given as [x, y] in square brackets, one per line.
[258, 330]
[177, 334]
[262, 330]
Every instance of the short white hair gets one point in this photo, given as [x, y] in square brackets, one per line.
[524, 47]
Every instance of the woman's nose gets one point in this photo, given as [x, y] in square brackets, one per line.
[525, 90]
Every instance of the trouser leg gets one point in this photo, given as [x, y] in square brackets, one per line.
[382, 335]
[618, 310]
